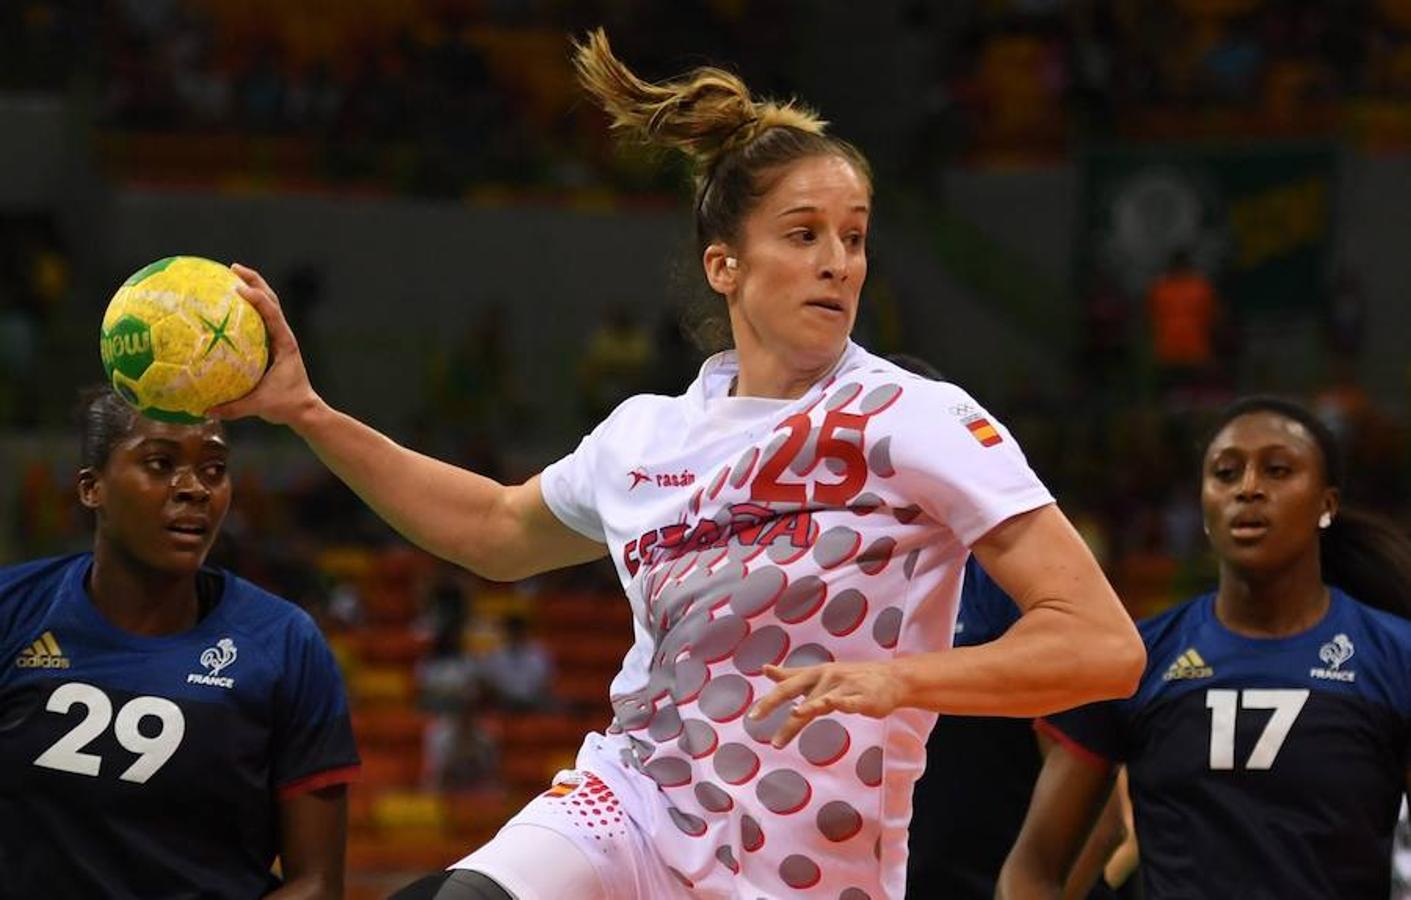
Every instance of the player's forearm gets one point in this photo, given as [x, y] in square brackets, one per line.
[1107, 835]
[445, 510]
[1052, 659]
[309, 887]
[1021, 880]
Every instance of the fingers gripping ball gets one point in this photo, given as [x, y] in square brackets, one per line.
[177, 339]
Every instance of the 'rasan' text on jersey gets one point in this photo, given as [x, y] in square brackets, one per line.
[834, 526]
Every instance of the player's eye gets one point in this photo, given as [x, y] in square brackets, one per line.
[1224, 472]
[158, 464]
[856, 239]
[802, 235]
[213, 471]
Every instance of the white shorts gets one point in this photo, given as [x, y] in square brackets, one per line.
[575, 840]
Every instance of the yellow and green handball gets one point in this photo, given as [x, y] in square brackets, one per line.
[177, 339]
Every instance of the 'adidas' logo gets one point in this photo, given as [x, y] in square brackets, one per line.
[1188, 665]
[43, 654]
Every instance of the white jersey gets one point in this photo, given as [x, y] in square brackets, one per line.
[751, 531]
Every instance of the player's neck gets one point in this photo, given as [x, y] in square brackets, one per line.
[1273, 604]
[138, 599]
[768, 374]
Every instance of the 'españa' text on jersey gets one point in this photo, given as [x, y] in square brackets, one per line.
[831, 526]
[1262, 768]
[149, 767]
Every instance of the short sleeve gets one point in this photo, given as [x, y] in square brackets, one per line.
[313, 744]
[568, 487]
[1094, 732]
[963, 467]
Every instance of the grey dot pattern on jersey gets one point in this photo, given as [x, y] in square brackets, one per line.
[778, 579]
[838, 821]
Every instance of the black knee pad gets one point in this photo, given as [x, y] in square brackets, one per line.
[459, 884]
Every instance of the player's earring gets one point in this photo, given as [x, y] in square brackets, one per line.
[732, 263]
[1205, 527]
[1325, 520]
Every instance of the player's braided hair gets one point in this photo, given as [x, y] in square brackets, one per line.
[738, 145]
[1364, 554]
[104, 418]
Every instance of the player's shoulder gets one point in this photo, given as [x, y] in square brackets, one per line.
[1172, 626]
[1379, 619]
[29, 592]
[872, 372]
[35, 580]
[914, 403]
[1389, 632]
[640, 411]
[262, 613]
[37, 571]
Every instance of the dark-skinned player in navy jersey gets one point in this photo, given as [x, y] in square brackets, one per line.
[1266, 749]
[167, 730]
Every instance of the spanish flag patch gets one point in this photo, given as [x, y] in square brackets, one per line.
[983, 431]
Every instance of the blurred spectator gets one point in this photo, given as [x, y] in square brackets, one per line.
[447, 678]
[1103, 353]
[615, 364]
[1184, 314]
[472, 388]
[1345, 318]
[457, 752]
[1342, 403]
[519, 674]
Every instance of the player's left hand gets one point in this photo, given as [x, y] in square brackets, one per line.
[869, 689]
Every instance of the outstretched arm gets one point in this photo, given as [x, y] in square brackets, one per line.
[501, 532]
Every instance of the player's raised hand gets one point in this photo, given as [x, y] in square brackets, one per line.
[284, 392]
[869, 689]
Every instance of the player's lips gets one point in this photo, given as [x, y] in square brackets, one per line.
[1248, 527]
[189, 528]
[827, 304]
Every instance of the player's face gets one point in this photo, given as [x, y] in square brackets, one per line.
[163, 494]
[802, 261]
[1263, 492]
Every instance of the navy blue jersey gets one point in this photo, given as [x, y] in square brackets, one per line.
[980, 771]
[150, 767]
[1262, 768]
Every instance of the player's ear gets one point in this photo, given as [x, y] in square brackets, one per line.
[1332, 500]
[90, 488]
[722, 267]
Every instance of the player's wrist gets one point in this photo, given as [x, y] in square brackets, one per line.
[309, 416]
[914, 683]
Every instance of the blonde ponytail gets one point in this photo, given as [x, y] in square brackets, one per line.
[738, 145]
[705, 114]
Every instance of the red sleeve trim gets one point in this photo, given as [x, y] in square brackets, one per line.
[345, 775]
[1084, 755]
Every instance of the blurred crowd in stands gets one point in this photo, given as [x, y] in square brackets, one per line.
[467, 96]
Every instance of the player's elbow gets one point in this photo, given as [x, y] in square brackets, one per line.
[1117, 659]
[503, 567]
